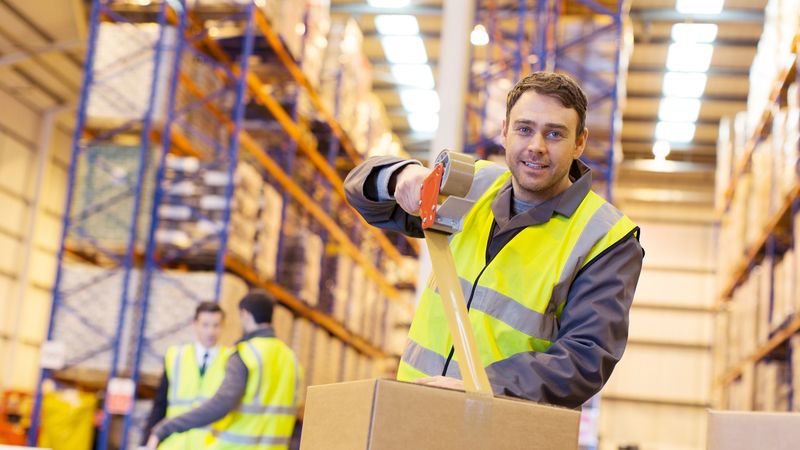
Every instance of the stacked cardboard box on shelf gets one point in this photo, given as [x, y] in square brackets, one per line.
[123, 68]
[300, 269]
[110, 172]
[346, 80]
[269, 232]
[773, 55]
[772, 392]
[794, 368]
[741, 391]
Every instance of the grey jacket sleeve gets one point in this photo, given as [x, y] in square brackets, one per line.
[591, 339]
[224, 401]
[364, 194]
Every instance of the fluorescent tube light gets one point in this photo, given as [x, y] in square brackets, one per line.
[675, 131]
[423, 122]
[396, 24]
[694, 32]
[684, 84]
[699, 6]
[679, 109]
[420, 100]
[388, 3]
[685, 57]
[404, 49]
[413, 75]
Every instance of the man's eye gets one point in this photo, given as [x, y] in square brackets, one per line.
[525, 130]
[554, 134]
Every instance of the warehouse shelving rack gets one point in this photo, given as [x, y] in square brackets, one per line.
[140, 250]
[535, 28]
[772, 241]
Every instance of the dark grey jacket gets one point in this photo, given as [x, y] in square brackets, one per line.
[226, 399]
[593, 330]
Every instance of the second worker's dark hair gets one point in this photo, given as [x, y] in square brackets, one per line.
[259, 304]
[209, 307]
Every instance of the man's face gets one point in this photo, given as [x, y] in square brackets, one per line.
[540, 141]
[207, 328]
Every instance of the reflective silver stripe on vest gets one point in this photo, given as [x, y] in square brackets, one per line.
[260, 367]
[511, 312]
[265, 409]
[176, 374]
[596, 229]
[181, 402]
[242, 439]
[427, 361]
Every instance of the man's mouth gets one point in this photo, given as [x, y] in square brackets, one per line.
[535, 165]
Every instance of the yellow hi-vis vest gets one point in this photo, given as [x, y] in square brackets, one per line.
[517, 299]
[265, 418]
[187, 390]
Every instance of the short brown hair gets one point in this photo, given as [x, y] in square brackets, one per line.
[556, 85]
[208, 307]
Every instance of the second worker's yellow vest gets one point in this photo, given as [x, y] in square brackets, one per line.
[187, 390]
[518, 297]
[265, 418]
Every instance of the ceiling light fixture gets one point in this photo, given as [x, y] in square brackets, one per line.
[699, 6]
[694, 32]
[396, 24]
[479, 37]
[419, 100]
[679, 109]
[661, 149]
[689, 57]
[404, 49]
[423, 122]
[413, 75]
[675, 131]
[684, 84]
[388, 3]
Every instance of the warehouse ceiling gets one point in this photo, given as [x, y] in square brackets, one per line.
[42, 47]
[41, 57]
[687, 178]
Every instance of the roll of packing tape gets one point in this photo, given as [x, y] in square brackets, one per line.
[458, 173]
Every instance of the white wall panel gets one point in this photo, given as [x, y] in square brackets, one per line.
[43, 268]
[681, 327]
[651, 426]
[16, 166]
[35, 315]
[675, 288]
[9, 254]
[14, 214]
[682, 246]
[662, 373]
[6, 298]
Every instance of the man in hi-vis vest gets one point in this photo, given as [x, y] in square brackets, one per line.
[255, 407]
[192, 374]
[548, 268]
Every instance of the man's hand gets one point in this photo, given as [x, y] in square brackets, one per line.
[408, 187]
[152, 443]
[442, 382]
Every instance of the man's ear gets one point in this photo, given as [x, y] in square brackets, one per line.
[505, 128]
[580, 143]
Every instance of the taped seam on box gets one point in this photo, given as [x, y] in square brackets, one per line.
[372, 414]
[478, 419]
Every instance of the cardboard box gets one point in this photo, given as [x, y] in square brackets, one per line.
[385, 415]
[729, 430]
